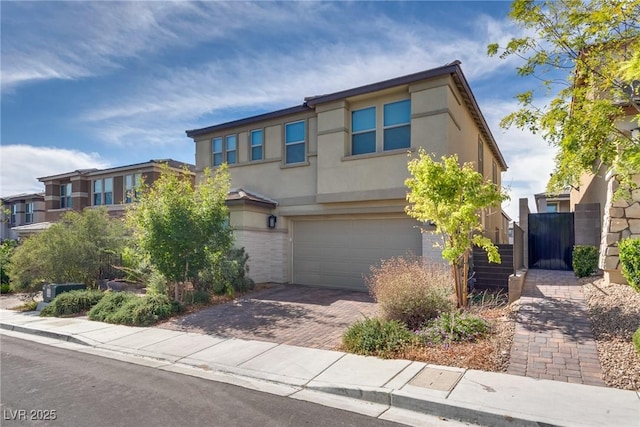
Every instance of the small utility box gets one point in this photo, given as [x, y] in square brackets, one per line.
[52, 290]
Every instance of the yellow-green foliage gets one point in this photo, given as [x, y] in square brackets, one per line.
[585, 53]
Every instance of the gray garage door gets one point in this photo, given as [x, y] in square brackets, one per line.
[336, 253]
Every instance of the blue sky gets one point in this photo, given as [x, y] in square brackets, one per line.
[99, 84]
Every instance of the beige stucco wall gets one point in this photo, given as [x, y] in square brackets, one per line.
[335, 184]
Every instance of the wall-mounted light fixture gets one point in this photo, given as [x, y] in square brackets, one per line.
[271, 221]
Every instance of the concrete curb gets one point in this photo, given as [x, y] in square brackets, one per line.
[259, 381]
[477, 397]
[48, 334]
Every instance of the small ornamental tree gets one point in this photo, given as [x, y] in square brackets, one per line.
[584, 54]
[180, 227]
[451, 196]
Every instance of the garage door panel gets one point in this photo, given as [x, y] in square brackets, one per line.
[337, 253]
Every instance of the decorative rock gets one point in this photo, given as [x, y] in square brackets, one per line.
[616, 212]
[612, 238]
[618, 225]
[634, 225]
[633, 211]
[620, 203]
[610, 263]
[613, 251]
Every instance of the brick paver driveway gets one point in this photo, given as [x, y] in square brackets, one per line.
[286, 314]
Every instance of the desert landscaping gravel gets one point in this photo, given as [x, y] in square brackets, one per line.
[614, 311]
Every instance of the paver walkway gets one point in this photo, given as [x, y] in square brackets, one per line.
[285, 314]
[553, 338]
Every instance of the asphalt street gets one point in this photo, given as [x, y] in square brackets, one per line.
[48, 386]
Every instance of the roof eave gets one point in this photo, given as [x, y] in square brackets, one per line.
[249, 120]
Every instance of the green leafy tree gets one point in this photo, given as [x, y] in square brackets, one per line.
[451, 196]
[6, 250]
[179, 227]
[71, 250]
[585, 55]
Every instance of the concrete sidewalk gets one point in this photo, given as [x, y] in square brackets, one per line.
[375, 387]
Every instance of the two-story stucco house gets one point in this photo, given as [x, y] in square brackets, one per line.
[113, 188]
[318, 189]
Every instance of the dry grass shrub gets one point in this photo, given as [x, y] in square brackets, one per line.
[411, 290]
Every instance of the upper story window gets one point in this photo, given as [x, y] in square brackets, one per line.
[231, 147]
[28, 213]
[132, 187]
[65, 195]
[14, 213]
[257, 143]
[216, 146]
[294, 141]
[363, 131]
[480, 157]
[552, 207]
[226, 151]
[397, 125]
[103, 192]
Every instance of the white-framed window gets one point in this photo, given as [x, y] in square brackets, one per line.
[28, 213]
[103, 192]
[480, 156]
[231, 148]
[552, 207]
[295, 142]
[14, 214]
[132, 187]
[397, 125]
[363, 131]
[65, 195]
[257, 144]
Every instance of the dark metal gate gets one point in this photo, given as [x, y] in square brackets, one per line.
[551, 240]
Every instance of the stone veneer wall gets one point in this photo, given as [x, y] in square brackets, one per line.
[621, 220]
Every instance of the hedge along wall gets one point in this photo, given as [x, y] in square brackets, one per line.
[621, 220]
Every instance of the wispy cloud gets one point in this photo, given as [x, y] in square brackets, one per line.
[530, 158]
[23, 164]
[259, 78]
[81, 39]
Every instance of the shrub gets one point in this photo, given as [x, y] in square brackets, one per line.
[376, 337]
[636, 340]
[5, 288]
[585, 260]
[126, 308]
[72, 302]
[7, 247]
[630, 261]
[226, 273]
[196, 297]
[109, 304]
[27, 306]
[71, 250]
[411, 291]
[453, 327]
[156, 283]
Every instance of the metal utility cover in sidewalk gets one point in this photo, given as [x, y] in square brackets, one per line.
[436, 379]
